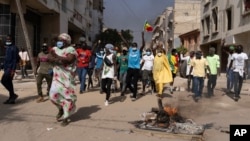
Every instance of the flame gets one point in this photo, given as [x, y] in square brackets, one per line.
[171, 111]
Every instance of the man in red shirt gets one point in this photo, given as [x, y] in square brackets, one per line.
[83, 59]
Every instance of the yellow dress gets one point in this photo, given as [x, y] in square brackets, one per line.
[161, 72]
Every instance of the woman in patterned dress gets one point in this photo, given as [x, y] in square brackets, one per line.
[62, 92]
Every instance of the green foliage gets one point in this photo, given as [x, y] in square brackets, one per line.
[182, 50]
[112, 36]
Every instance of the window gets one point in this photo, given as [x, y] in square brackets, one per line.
[207, 20]
[246, 5]
[64, 5]
[229, 19]
[215, 19]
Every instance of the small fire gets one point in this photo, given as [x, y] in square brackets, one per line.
[170, 110]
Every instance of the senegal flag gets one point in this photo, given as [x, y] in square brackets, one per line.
[147, 27]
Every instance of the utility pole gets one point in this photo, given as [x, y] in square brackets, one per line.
[27, 41]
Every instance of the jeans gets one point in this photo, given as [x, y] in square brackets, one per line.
[211, 83]
[8, 84]
[82, 72]
[198, 85]
[238, 80]
[106, 85]
[122, 79]
[230, 79]
[24, 71]
[39, 81]
[132, 80]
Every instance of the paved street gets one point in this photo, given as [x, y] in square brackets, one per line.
[31, 121]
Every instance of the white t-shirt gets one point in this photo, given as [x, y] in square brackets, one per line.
[188, 60]
[24, 56]
[148, 62]
[239, 61]
[108, 71]
[229, 60]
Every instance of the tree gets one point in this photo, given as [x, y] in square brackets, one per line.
[112, 36]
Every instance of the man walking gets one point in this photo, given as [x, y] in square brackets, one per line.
[10, 61]
[43, 70]
[240, 67]
[214, 65]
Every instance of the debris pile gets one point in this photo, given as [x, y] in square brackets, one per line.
[167, 119]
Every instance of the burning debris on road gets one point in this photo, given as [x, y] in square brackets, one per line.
[167, 119]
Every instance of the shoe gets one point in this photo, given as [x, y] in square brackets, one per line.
[133, 99]
[65, 122]
[106, 103]
[11, 100]
[171, 91]
[39, 99]
[59, 115]
[81, 92]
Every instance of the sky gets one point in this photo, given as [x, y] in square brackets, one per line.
[132, 14]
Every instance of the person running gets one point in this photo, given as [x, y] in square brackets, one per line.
[11, 59]
[198, 68]
[43, 71]
[161, 71]
[214, 65]
[239, 65]
[84, 56]
[109, 71]
[62, 92]
[123, 67]
[134, 59]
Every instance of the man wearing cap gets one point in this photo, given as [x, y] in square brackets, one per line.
[43, 71]
[214, 65]
[230, 76]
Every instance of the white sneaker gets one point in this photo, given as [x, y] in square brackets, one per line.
[106, 103]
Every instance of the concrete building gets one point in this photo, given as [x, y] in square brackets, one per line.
[186, 18]
[191, 40]
[46, 19]
[225, 19]
[163, 28]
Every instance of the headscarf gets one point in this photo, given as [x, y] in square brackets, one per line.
[66, 37]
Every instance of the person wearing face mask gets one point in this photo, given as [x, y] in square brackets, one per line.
[134, 59]
[109, 71]
[63, 87]
[123, 67]
[43, 71]
[84, 56]
[161, 71]
[147, 75]
[98, 65]
[9, 66]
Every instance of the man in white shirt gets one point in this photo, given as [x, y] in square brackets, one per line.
[23, 62]
[230, 71]
[239, 59]
[147, 75]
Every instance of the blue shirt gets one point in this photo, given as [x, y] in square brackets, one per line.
[99, 60]
[134, 58]
[10, 60]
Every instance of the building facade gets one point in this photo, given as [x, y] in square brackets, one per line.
[46, 19]
[191, 40]
[229, 20]
[163, 28]
[186, 18]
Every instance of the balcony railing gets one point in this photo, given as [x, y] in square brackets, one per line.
[77, 16]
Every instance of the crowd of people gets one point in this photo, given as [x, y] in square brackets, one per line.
[154, 66]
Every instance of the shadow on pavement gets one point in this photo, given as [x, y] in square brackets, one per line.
[84, 113]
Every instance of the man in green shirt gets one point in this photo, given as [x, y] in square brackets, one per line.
[214, 65]
[123, 66]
